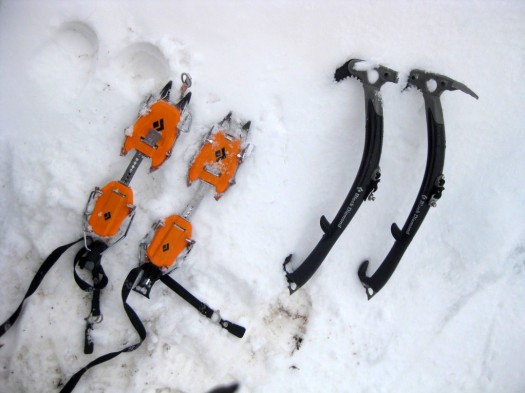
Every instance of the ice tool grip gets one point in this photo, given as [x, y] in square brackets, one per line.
[432, 86]
[373, 77]
[365, 183]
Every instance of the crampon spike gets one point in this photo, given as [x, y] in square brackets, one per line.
[165, 92]
[226, 119]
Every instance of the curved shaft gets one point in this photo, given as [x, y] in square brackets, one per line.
[363, 186]
[432, 86]
[430, 191]
[368, 174]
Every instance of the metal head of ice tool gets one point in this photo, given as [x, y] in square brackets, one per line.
[432, 86]
[371, 75]
[367, 72]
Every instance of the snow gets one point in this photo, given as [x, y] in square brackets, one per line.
[452, 318]
[431, 85]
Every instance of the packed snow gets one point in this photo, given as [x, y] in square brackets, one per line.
[451, 319]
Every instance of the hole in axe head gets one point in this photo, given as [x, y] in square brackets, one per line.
[431, 85]
[372, 76]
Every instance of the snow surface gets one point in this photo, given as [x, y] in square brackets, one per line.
[451, 319]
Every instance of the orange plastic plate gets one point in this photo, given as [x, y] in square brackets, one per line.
[217, 162]
[169, 241]
[112, 206]
[162, 117]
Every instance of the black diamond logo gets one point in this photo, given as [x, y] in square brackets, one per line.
[107, 216]
[165, 247]
[220, 154]
[159, 125]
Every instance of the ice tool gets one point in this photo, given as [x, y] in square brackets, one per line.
[432, 86]
[372, 78]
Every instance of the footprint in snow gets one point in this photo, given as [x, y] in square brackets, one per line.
[144, 62]
[65, 62]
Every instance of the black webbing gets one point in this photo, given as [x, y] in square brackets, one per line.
[139, 327]
[39, 276]
[135, 321]
[202, 307]
[90, 259]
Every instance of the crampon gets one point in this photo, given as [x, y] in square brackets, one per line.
[110, 209]
[169, 241]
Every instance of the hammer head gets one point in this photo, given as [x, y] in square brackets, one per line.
[367, 72]
[435, 84]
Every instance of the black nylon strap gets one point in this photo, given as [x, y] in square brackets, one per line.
[139, 327]
[135, 321]
[202, 307]
[39, 276]
[90, 259]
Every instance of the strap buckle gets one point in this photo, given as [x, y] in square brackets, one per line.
[91, 319]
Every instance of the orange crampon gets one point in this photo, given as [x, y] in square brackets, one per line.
[220, 156]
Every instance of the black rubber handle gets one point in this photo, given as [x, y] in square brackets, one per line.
[431, 188]
[365, 182]
[313, 261]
